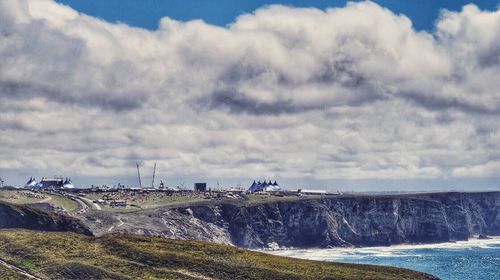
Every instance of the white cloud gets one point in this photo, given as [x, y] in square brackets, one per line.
[345, 93]
[489, 169]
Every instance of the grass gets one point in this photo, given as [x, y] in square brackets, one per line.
[152, 201]
[63, 202]
[117, 256]
[259, 199]
[15, 197]
[166, 201]
[146, 202]
[8, 274]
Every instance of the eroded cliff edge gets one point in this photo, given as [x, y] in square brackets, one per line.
[325, 222]
[29, 217]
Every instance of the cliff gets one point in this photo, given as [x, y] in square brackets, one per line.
[325, 222]
[27, 217]
[367, 221]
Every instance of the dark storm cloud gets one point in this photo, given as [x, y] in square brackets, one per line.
[436, 103]
[238, 103]
[122, 101]
[337, 76]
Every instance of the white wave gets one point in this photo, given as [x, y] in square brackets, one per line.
[405, 250]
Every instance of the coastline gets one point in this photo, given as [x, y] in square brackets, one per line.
[380, 250]
[473, 259]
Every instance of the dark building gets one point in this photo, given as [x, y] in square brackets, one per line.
[118, 203]
[200, 187]
[56, 183]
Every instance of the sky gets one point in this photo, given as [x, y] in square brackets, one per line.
[147, 13]
[357, 96]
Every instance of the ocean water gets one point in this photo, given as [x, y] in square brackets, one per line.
[474, 259]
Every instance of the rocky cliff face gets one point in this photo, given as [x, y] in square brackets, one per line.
[336, 221]
[27, 217]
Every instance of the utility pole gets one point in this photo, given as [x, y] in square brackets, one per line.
[139, 175]
[154, 173]
[1, 182]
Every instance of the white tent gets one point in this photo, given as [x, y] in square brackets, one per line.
[67, 184]
[31, 183]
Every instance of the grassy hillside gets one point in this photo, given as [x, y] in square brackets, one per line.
[25, 216]
[73, 256]
[27, 197]
[8, 274]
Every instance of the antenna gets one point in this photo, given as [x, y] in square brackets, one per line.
[139, 175]
[154, 173]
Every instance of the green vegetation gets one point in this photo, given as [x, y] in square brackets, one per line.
[166, 201]
[142, 201]
[117, 256]
[28, 197]
[259, 199]
[17, 197]
[63, 202]
[9, 274]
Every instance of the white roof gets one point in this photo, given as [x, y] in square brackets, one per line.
[312, 191]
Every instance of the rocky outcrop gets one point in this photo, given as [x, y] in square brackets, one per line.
[27, 217]
[355, 220]
[328, 222]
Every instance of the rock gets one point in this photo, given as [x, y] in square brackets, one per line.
[358, 221]
[323, 223]
[273, 246]
[28, 217]
[482, 236]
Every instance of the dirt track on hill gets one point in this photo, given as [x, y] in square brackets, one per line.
[18, 270]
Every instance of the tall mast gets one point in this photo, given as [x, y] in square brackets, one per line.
[154, 172]
[139, 175]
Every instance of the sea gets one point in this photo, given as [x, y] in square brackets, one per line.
[476, 259]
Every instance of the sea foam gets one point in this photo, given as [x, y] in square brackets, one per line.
[404, 250]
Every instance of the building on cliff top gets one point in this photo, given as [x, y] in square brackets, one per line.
[200, 187]
[46, 183]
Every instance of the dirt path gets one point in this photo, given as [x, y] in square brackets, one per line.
[194, 275]
[121, 223]
[97, 206]
[19, 270]
[83, 206]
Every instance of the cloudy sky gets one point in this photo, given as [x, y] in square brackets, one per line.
[350, 97]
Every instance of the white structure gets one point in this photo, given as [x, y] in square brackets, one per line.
[31, 183]
[67, 184]
[46, 183]
[264, 187]
[312, 192]
[315, 192]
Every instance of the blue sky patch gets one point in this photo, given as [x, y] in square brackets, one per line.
[147, 13]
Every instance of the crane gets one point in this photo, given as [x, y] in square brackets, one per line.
[154, 173]
[139, 175]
